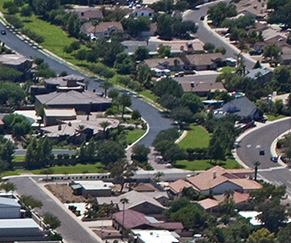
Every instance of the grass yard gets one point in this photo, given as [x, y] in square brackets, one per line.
[134, 135]
[19, 158]
[77, 169]
[149, 95]
[197, 137]
[273, 117]
[205, 164]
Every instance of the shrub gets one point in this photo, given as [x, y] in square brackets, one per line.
[32, 35]
[15, 21]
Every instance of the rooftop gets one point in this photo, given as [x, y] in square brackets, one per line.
[95, 185]
[13, 59]
[156, 236]
[255, 73]
[17, 223]
[60, 112]
[4, 202]
[208, 203]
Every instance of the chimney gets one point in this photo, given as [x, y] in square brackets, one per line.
[214, 174]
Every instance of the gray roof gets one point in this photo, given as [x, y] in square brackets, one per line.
[17, 223]
[71, 97]
[253, 74]
[242, 107]
[134, 199]
[8, 202]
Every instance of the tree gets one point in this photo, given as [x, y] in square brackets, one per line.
[182, 115]
[141, 53]
[104, 125]
[111, 49]
[256, 164]
[73, 24]
[123, 63]
[30, 202]
[134, 26]
[110, 151]
[123, 201]
[261, 236]
[51, 220]
[272, 51]
[168, 86]
[192, 101]
[284, 234]
[135, 115]
[140, 153]
[165, 26]
[164, 51]
[257, 65]
[18, 124]
[209, 47]
[26, 11]
[11, 94]
[158, 175]
[7, 187]
[220, 11]
[125, 101]
[106, 85]
[144, 76]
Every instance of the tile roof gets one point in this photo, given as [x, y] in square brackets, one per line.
[71, 97]
[87, 13]
[237, 197]
[208, 203]
[246, 184]
[101, 27]
[203, 59]
[154, 62]
[179, 185]
[60, 112]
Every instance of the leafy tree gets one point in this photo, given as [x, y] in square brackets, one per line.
[284, 234]
[141, 53]
[135, 115]
[164, 51]
[144, 75]
[182, 115]
[14, 20]
[158, 175]
[122, 170]
[125, 101]
[165, 26]
[113, 94]
[134, 26]
[261, 236]
[110, 151]
[7, 187]
[123, 63]
[272, 51]
[282, 13]
[227, 207]
[192, 101]
[174, 153]
[163, 5]
[7, 73]
[170, 135]
[18, 124]
[168, 86]
[81, 55]
[181, 5]
[51, 220]
[7, 149]
[41, 7]
[26, 11]
[209, 47]
[241, 22]
[110, 52]
[104, 125]
[220, 11]
[30, 202]
[44, 71]
[106, 85]
[140, 153]
[11, 94]
[169, 101]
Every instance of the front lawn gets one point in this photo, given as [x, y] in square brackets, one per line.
[19, 158]
[197, 137]
[275, 117]
[134, 135]
[205, 164]
[76, 169]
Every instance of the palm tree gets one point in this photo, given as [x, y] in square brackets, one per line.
[158, 175]
[256, 164]
[123, 201]
[104, 125]
[228, 194]
[106, 85]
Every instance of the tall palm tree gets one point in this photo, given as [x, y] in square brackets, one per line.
[123, 201]
[256, 164]
[104, 125]
[106, 85]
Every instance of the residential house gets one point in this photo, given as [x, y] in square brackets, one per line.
[89, 189]
[103, 29]
[14, 230]
[140, 202]
[156, 236]
[256, 8]
[260, 75]
[209, 204]
[183, 46]
[240, 200]
[242, 107]
[82, 102]
[217, 180]
[176, 187]
[130, 219]
[143, 11]
[87, 13]
[208, 61]
[201, 85]
[131, 46]
[9, 208]
[172, 63]
[18, 63]
[285, 57]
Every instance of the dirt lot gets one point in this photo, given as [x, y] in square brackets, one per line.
[64, 193]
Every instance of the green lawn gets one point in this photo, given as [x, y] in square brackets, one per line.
[197, 137]
[273, 117]
[19, 158]
[205, 164]
[149, 95]
[77, 169]
[134, 135]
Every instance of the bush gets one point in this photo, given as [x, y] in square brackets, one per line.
[102, 70]
[60, 156]
[32, 35]
[66, 156]
[15, 21]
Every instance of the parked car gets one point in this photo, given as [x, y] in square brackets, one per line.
[262, 152]
[274, 159]
[3, 32]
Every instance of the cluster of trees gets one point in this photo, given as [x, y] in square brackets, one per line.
[168, 5]
[18, 124]
[7, 149]
[281, 13]
[220, 11]
[7, 73]
[11, 94]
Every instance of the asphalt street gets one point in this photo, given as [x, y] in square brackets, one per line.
[207, 36]
[70, 228]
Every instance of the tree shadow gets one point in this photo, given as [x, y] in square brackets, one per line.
[27, 21]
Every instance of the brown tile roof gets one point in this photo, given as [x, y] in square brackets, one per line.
[252, 6]
[208, 203]
[237, 197]
[204, 59]
[246, 184]
[179, 185]
[101, 27]
[145, 187]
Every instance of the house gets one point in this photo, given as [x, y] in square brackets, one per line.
[130, 219]
[18, 63]
[131, 45]
[176, 187]
[140, 202]
[240, 200]
[208, 61]
[285, 57]
[86, 13]
[172, 63]
[260, 75]
[9, 208]
[217, 180]
[12, 230]
[153, 236]
[143, 11]
[82, 102]
[103, 29]
[200, 84]
[209, 204]
[256, 8]
[242, 107]
[90, 189]
[55, 116]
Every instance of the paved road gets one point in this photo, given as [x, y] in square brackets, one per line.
[70, 229]
[262, 138]
[54, 151]
[206, 35]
